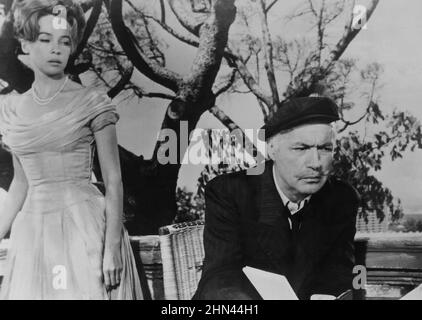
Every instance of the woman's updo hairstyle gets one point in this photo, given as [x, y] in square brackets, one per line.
[27, 13]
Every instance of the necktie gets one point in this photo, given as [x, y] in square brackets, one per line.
[295, 218]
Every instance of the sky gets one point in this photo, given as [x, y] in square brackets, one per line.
[391, 38]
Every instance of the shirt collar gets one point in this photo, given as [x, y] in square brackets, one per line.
[292, 206]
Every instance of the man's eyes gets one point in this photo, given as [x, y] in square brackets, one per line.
[328, 148]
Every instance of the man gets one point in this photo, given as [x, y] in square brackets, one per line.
[294, 219]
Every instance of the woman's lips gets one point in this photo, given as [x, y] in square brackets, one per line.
[54, 62]
[312, 179]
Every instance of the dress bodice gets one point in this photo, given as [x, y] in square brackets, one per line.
[56, 150]
[67, 165]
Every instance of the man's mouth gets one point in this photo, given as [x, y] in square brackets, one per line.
[312, 179]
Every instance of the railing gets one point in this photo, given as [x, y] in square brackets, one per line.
[393, 262]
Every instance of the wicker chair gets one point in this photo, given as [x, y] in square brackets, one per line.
[182, 255]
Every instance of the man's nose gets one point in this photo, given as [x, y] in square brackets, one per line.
[314, 160]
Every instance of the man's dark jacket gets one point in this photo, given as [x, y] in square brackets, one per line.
[246, 225]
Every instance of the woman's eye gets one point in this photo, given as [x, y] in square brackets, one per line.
[44, 40]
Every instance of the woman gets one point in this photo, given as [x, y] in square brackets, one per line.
[67, 239]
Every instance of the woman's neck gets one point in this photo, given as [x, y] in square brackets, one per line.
[46, 86]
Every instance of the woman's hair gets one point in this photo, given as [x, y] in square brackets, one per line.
[27, 14]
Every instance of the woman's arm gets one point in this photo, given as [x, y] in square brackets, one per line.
[14, 199]
[108, 155]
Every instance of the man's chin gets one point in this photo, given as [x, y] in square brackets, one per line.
[311, 187]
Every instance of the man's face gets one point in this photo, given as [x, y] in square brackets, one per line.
[303, 159]
[50, 52]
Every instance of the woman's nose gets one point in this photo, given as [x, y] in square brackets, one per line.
[55, 48]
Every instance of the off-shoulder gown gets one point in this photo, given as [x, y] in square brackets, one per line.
[57, 238]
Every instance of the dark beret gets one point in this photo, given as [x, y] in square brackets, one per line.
[298, 111]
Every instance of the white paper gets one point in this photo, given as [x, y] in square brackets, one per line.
[270, 286]
[415, 294]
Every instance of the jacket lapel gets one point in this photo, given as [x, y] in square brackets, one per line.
[315, 237]
[307, 246]
[273, 234]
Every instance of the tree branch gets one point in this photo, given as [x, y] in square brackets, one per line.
[90, 25]
[247, 77]
[348, 36]
[155, 50]
[227, 85]
[163, 12]
[166, 27]
[120, 86]
[321, 31]
[232, 126]
[87, 4]
[304, 89]
[224, 119]
[212, 42]
[268, 56]
[128, 42]
[158, 95]
[103, 50]
[233, 60]
[264, 109]
[189, 20]
[268, 8]
[142, 93]
[368, 109]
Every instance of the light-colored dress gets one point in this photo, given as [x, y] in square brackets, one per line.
[57, 239]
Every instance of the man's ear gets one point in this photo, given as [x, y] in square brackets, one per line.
[271, 148]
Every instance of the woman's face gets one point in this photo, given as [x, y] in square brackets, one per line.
[50, 52]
